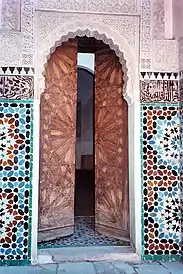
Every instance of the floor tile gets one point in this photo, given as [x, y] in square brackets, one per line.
[85, 235]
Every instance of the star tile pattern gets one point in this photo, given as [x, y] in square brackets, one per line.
[181, 170]
[161, 215]
[15, 180]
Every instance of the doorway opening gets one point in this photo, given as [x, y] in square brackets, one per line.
[84, 204]
[90, 189]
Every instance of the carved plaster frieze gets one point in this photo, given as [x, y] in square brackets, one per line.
[158, 19]
[54, 28]
[108, 6]
[10, 49]
[10, 15]
[28, 13]
[146, 35]
[165, 55]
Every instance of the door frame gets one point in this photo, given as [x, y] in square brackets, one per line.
[130, 94]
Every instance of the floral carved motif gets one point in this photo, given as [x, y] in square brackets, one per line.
[145, 34]
[10, 15]
[165, 55]
[17, 48]
[55, 28]
[158, 19]
[115, 6]
[10, 49]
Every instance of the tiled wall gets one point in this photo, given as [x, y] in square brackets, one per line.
[181, 154]
[16, 148]
[161, 139]
[15, 180]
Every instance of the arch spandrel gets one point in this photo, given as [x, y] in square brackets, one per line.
[109, 36]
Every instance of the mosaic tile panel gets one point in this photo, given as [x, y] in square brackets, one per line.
[16, 87]
[15, 180]
[161, 186]
[181, 172]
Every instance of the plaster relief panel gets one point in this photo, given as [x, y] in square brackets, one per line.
[165, 55]
[121, 33]
[17, 36]
[115, 6]
[158, 19]
[10, 49]
[145, 34]
[10, 15]
[180, 46]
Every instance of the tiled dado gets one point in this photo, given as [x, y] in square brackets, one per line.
[161, 213]
[16, 129]
[159, 87]
[181, 171]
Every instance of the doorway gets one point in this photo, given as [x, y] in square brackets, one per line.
[63, 192]
[85, 172]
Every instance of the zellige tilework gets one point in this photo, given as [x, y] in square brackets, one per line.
[161, 214]
[15, 180]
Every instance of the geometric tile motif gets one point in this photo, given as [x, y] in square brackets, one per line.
[15, 179]
[16, 87]
[18, 70]
[161, 216]
[181, 170]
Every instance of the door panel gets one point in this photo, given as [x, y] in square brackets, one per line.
[57, 145]
[111, 147]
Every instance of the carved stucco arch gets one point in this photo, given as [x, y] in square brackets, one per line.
[109, 36]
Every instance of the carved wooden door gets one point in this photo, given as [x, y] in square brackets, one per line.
[111, 147]
[58, 137]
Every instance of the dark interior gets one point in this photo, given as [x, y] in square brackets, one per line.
[84, 193]
[85, 177]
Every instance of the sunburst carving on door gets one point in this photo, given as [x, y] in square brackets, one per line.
[111, 146]
[58, 137]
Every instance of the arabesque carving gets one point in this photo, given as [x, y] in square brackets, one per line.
[17, 33]
[165, 55]
[158, 19]
[10, 13]
[55, 28]
[108, 6]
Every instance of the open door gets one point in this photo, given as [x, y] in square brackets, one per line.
[111, 147]
[58, 137]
